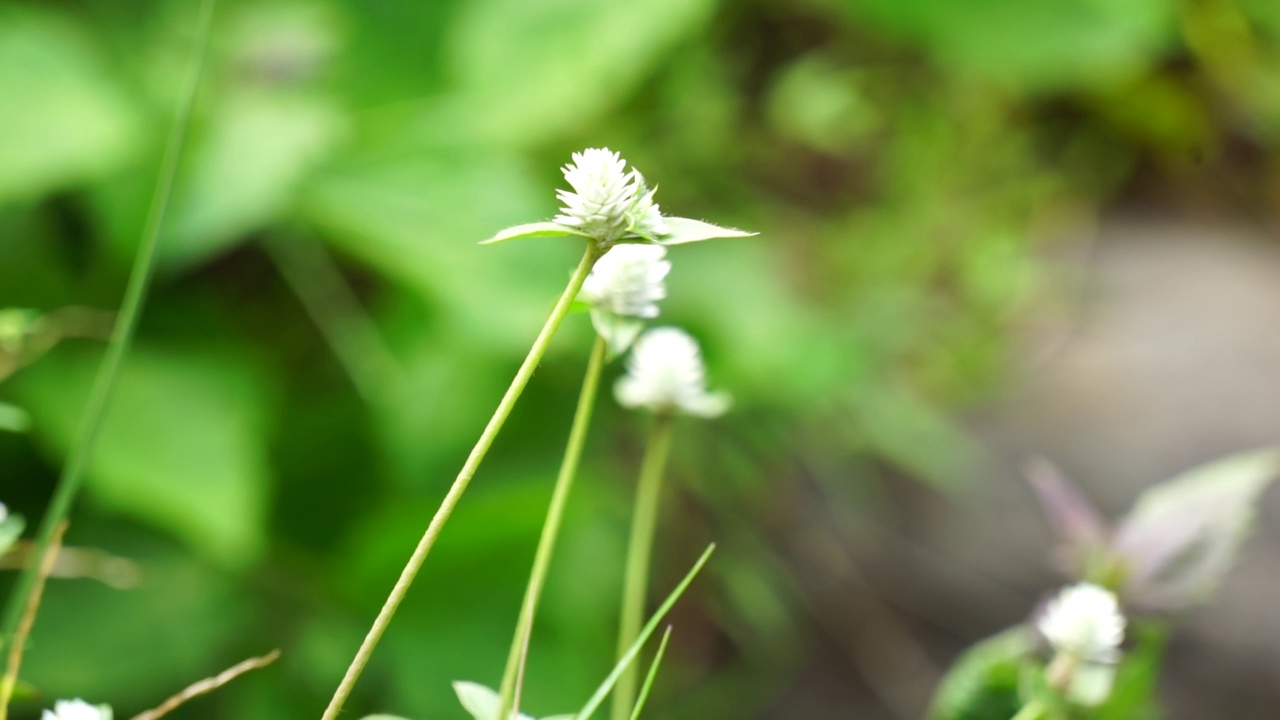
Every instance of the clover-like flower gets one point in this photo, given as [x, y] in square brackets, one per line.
[604, 196]
[1084, 621]
[610, 204]
[76, 710]
[665, 375]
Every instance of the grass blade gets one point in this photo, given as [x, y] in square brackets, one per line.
[625, 661]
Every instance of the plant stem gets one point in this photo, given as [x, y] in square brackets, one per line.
[126, 322]
[459, 486]
[509, 701]
[644, 522]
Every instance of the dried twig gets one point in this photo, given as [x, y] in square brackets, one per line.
[208, 685]
[23, 630]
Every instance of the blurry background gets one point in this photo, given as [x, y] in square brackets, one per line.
[987, 230]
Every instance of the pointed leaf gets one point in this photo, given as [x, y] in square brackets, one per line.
[619, 332]
[983, 683]
[477, 699]
[530, 230]
[603, 691]
[685, 230]
[643, 697]
[1183, 535]
[1076, 522]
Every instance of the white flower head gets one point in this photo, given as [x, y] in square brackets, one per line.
[76, 710]
[4, 513]
[665, 374]
[628, 280]
[607, 202]
[1084, 622]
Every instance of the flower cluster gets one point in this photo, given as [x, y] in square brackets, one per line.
[665, 374]
[608, 202]
[1085, 627]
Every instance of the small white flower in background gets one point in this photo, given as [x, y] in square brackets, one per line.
[1084, 621]
[665, 374]
[607, 202]
[4, 513]
[1084, 625]
[76, 710]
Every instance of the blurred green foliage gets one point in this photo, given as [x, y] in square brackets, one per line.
[901, 158]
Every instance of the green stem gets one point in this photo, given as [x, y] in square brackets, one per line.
[460, 484]
[644, 522]
[509, 701]
[72, 476]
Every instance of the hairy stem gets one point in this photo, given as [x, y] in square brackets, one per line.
[460, 484]
[644, 522]
[509, 702]
[126, 322]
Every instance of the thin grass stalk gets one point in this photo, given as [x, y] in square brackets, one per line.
[14, 661]
[647, 687]
[644, 522]
[460, 484]
[126, 322]
[509, 696]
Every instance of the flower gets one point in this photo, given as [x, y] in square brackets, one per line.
[4, 513]
[665, 374]
[628, 280]
[607, 202]
[1084, 622]
[76, 710]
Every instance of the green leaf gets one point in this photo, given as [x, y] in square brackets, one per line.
[247, 167]
[521, 68]
[480, 701]
[1133, 697]
[684, 230]
[1043, 44]
[531, 230]
[618, 331]
[183, 444]
[625, 661]
[1183, 535]
[643, 697]
[63, 120]
[983, 683]
[14, 418]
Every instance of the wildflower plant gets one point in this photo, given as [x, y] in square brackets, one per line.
[1094, 649]
[620, 278]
